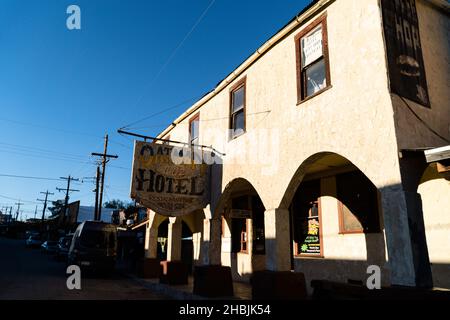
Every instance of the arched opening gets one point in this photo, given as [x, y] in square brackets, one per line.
[242, 240]
[434, 190]
[335, 220]
[162, 240]
[187, 247]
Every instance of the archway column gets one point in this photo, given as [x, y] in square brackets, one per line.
[211, 246]
[174, 240]
[151, 237]
[405, 227]
[276, 225]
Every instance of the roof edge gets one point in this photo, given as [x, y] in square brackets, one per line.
[308, 12]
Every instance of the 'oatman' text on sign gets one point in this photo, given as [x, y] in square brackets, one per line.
[170, 188]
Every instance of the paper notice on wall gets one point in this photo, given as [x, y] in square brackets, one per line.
[312, 47]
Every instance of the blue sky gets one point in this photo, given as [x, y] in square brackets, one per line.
[61, 90]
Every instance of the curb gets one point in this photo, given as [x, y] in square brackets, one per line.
[172, 291]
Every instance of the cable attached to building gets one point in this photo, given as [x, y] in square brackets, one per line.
[422, 121]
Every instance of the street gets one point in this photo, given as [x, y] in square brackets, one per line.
[29, 274]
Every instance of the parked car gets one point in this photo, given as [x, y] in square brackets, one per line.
[49, 246]
[34, 241]
[94, 246]
[62, 249]
[30, 233]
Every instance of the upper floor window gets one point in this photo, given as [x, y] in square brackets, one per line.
[237, 112]
[194, 125]
[313, 70]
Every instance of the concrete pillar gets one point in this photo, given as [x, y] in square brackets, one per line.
[151, 242]
[197, 247]
[212, 244]
[276, 224]
[215, 241]
[174, 240]
[151, 236]
[404, 224]
[405, 237]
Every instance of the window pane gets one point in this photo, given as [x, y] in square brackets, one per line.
[315, 77]
[306, 223]
[194, 129]
[359, 200]
[238, 122]
[238, 99]
[312, 46]
[350, 221]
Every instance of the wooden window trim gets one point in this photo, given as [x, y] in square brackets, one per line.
[224, 221]
[341, 221]
[247, 242]
[241, 83]
[342, 231]
[300, 82]
[192, 119]
[321, 255]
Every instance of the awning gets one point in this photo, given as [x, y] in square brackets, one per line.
[437, 154]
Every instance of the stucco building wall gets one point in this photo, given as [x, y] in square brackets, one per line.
[435, 193]
[356, 118]
[434, 27]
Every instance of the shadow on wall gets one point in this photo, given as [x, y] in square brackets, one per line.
[441, 275]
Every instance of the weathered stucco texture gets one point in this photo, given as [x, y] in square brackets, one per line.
[354, 118]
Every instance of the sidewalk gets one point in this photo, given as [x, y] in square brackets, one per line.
[242, 291]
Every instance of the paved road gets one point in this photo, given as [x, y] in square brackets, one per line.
[29, 274]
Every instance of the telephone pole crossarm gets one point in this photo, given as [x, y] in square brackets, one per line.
[101, 179]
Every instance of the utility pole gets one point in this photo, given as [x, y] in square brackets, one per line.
[67, 190]
[45, 205]
[104, 159]
[96, 190]
[35, 212]
[18, 204]
[97, 185]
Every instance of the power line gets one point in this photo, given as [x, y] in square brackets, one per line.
[27, 177]
[16, 199]
[178, 105]
[40, 150]
[42, 157]
[422, 121]
[174, 52]
[49, 128]
[208, 120]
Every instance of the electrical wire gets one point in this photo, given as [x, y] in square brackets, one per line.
[422, 121]
[27, 177]
[178, 105]
[174, 52]
[20, 200]
[41, 156]
[50, 128]
[40, 150]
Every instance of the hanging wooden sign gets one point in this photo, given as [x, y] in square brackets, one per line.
[404, 50]
[167, 182]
